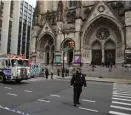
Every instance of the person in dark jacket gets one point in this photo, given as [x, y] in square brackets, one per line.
[46, 73]
[77, 81]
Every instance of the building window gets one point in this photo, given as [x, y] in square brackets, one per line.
[72, 3]
[9, 37]
[26, 4]
[22, 2]
[1, 8]
[30, 7]
[0, 23]
[21, 7]
[11, 8]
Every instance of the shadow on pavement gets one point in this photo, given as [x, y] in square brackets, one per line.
[14, 83]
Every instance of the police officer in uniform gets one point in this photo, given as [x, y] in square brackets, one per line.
[77, 81]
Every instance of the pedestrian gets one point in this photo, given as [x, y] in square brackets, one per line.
[58, 72]
[77, 81]
[43, 72]
[51, 74]
[67, 72]
[110, 67]
[63, 72]
[46, 73]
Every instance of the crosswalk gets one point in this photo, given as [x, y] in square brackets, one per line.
[121, 100]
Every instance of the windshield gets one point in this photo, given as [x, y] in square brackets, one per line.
[22, 62]
[13, 62]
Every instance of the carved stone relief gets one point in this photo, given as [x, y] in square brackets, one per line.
[71, 16]
[87, 12]
[60, 11]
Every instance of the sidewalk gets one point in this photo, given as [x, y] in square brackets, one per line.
[107, 80]
[96, 79]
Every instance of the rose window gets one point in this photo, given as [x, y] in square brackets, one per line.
[102, 33]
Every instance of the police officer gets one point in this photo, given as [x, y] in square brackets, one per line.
[77, 81]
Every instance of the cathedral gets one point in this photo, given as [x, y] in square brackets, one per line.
[79, 32]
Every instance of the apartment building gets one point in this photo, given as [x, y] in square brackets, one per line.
[16, 23]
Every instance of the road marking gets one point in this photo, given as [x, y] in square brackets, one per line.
[27, 91]
[55, 95]
[7, 87]
[88, 109]
[12, 94]
[88, 100]
[120, 96]
[121, 91]
[13, 110]
[119, 107]
[121, 99]
[43, 100]
[116, 102]
[118, 113]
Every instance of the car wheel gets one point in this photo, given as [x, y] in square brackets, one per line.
[18, 81]
[1, 78]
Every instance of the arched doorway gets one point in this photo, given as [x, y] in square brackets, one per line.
[110, 52]
[68, 46]
[96, 53]
[107, 32]
[46, 48]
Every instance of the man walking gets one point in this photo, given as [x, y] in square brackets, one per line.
[77, 81]
[46, 73]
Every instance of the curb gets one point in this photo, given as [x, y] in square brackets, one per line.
[91, 80]
[102, 81]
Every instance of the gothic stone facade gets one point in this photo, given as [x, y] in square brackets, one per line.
[101, 31]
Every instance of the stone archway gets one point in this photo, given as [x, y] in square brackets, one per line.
[104, 30]
[110, 52]
[46, 48]
[96, 52]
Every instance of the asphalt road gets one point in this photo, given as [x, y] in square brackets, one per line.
[55, 97]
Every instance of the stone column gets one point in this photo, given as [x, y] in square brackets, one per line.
[103, 51]
[44, 57]
[103, 55]
[90, 55]
[50, 57]
[128, 28]
[78, 23]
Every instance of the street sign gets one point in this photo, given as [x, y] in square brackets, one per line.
[67, 49]
[57, 59]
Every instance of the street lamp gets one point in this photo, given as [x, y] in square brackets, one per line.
[63, 69]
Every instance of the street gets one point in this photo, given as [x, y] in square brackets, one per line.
[55, 97]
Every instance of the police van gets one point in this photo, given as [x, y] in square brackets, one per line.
[14, 69]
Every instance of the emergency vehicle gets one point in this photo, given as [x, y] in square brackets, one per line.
[14, 69]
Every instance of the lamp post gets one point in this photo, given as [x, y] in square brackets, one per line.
[63, 68]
